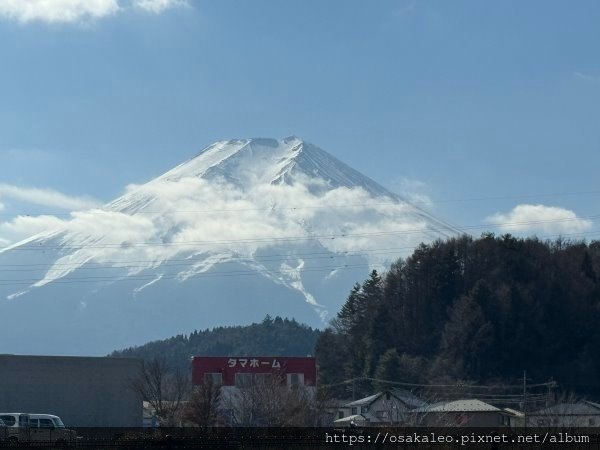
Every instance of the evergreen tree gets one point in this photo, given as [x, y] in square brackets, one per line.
[480, 309]
[388, 369]
[273, 337]
[467, 337]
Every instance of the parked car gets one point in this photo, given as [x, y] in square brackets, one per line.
[37, 428]
[17, 427]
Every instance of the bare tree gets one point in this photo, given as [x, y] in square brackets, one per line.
[567, 411]
[163, 389]
[270, 402]
[203, 408]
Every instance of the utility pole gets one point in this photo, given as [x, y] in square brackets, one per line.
[353, 389]
[525, 398]
[551, 385]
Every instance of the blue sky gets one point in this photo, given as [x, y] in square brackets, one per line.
[448, 100]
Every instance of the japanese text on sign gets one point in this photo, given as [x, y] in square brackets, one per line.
[253, 362]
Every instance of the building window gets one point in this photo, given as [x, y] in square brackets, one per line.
[243, 380]
[340, 414]
[295, 379]
[354, 410]
[364, 409]
[213, 378]
[263, 378]
[591, 422]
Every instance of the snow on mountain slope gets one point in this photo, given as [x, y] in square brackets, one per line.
[246, 228]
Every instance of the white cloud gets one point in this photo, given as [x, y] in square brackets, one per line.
[46, 197]
[57, 11]
[201, 211]
[413, 190]
[77, 11]
[539, 218]
[23, 227]
[158, 6]
[194, 216]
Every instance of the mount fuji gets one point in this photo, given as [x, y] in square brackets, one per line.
[244, 229]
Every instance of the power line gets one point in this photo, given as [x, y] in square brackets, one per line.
[151, 277]
[190, 262]
[332, 206]
[284, 256]
[126, 245]
[424, 385]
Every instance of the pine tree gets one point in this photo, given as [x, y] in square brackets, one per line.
[467, 337]
[388, 369]
[345, 321]
[332, 355]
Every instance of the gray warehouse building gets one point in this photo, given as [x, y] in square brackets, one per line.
[83, 391]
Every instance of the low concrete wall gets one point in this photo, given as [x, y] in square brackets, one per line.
[84, 392]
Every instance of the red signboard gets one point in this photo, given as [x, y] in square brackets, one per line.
[229, 366]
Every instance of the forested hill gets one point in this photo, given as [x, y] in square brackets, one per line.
[276, 337]
[480, 310]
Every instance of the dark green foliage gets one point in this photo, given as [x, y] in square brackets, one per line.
[273, 337]
[388, 369]
[352, 336]
[331, 349]
[475, 309]
[466, 337]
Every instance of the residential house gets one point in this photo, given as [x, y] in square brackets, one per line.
[582, 413]
[384, 408]
[462, 413]
[334, 409]
[516, 418]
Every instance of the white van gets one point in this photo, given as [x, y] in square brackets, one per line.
[3, 432]
[23, 427]
[17, 427]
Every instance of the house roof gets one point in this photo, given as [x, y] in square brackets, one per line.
[466, 405]
[364, 401]
[582, 407]
[514, 412]
[406, 397]
[357, 418]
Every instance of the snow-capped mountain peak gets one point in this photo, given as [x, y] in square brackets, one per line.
[245, 228]
[247, 162]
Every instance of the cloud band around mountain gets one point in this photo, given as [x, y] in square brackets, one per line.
[195, 215]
